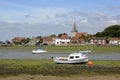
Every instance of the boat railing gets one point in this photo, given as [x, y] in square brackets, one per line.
[85, 52]
[62, 58]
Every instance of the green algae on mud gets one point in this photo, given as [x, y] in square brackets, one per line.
[48, 67]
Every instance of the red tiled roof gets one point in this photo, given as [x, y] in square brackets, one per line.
[114, 38]
[74, 39]
[64, 36]
[48, 38]
[79, 34]
[18, 39]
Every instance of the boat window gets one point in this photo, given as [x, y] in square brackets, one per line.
[37, 48]
[76, 56]
[71, 57]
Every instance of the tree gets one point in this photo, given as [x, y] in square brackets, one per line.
[86, 38]
[111, 31]
[27, 40]
[99, 34]
[53, 35]
[18, 43]
[40, 38]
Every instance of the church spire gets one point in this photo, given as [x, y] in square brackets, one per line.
[74, 28]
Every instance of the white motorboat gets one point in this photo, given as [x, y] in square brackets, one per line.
[74, 58]
[39, 50]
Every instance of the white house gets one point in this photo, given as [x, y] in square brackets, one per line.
[114, 41]
[62, 39]
[58, 41]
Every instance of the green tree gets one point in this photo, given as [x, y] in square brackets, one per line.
[99, 34]
[27, 40]
[18, 43]
[83, 37]
[88, 37]
[40, 38]
[53, 35]
[111, 31]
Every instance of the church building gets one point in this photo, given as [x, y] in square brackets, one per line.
[74, 30]
[77, 37]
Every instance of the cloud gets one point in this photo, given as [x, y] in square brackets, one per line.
[34, 15]
[84, 21]
[56, 22]
[27, 16]
[28, 13]
[48, 17]
[10, 30]
[26, 20]
[114, 8]
[61, 15]
[93, 22]
[98, 17]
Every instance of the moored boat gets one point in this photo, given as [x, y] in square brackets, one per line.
[39, 50]
[73, 58]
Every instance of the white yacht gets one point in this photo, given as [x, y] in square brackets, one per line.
[74, 58]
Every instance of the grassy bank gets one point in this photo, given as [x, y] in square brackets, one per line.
[95, 49]
[69, 49]
[48, 67]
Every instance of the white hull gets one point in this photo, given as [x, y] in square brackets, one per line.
[74, 58]
[66, 61]
[39, 52]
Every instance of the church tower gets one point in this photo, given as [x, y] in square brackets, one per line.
[74, 30]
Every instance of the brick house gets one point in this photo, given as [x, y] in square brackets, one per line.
[48, 40]
[98, 41]
[18, 39]
[78, 38]
[33, 41]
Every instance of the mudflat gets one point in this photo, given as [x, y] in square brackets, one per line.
[77, 77]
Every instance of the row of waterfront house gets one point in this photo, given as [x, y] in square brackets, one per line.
[64, 39]
[75, 38]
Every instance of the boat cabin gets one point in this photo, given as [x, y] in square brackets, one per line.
[38, 49]
[76, 56]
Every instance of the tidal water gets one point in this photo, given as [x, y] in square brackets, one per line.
[25, 54]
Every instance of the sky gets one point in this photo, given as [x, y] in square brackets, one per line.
[28, 18]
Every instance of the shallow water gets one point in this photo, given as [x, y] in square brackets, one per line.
[24, 54]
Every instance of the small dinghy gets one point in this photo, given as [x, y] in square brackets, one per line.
[38, 50]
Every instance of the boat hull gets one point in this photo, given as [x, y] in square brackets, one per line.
[38, 52]
[78, 61]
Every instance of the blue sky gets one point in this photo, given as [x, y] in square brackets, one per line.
[27, 18]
